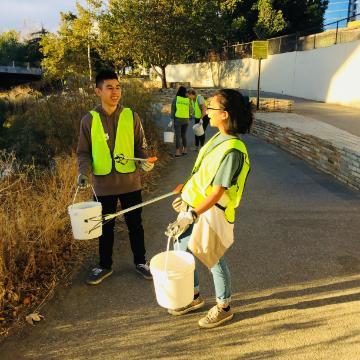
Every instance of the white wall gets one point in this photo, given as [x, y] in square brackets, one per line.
[329, 74]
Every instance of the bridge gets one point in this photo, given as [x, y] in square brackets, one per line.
[14, 74]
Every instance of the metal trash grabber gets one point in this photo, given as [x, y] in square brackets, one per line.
[105, 218]
[123, 159]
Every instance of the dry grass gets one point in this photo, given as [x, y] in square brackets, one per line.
[35, 239]
[36, 244]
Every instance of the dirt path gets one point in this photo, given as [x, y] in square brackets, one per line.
[295, 269]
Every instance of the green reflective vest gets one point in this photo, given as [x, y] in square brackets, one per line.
[199, 185]
[124, 144]
[197, 110]
[182, 107]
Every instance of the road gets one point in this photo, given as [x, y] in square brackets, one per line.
[295, 268]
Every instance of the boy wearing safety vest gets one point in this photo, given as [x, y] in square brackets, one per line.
[209, 198]
[108, 133]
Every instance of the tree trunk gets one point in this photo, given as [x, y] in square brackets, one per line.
[89, 61]
[163, 77]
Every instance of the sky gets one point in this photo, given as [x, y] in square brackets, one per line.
[28, 15]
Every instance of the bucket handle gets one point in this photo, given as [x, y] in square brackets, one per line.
[77, 189]
[167, 251]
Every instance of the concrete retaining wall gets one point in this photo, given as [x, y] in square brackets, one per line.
[339, 161]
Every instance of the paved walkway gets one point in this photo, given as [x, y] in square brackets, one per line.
[295, 277]
[341, 117]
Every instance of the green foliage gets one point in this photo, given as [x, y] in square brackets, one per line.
[42, 127]
[304, 15]
[68, 52]
[160, 32]
[247, 20]
[11, 49]
[270, 22]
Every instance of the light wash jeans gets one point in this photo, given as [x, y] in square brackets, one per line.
[220, 272]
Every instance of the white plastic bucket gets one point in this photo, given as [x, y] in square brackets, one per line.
[198, 129]
[169, 136]
[173, 278]
[82, 227]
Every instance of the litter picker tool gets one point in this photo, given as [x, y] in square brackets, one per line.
[99, 220]
[123, 159]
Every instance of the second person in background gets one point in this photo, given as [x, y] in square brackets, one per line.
[198, 103]
[181, 112]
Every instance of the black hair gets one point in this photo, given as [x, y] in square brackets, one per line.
[104, 75]
[239, 110]
[181, 91]
[191, 92]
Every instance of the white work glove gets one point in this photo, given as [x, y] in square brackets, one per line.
[183, 221]
[147, 166]
[170, 124]
[82, 181]
[179, 205]
[201, 121]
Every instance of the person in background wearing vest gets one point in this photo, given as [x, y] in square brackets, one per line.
[181, 112]
[198, 103]
[105, 132]
[209, 198]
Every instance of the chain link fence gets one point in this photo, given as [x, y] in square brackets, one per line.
[334, 33]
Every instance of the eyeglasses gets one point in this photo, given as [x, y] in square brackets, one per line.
[210, 108]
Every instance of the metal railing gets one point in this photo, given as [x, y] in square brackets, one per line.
[334, 33]
[23, 64]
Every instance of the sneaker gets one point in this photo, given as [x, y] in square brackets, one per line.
[144, 270]
[97, 275]
[197, 303]
[215, 317]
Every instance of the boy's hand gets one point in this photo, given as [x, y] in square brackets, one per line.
[82, 181]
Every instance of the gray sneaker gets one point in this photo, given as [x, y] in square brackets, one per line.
[97, 275]
[215, 317]
[144, 271]
[197, 303]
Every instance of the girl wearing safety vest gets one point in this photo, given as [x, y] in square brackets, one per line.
[208, 200]
[181, 111]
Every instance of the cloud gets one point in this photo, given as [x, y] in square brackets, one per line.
[29, 15]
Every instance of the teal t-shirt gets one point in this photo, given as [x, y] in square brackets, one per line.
[230, 166]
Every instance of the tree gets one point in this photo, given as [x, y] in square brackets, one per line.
[157, 33]
[270, 21]
[33, 47]
[302, 15]
[11, 48]
[69, 51]
[247, 20]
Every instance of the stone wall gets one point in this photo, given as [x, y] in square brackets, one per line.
[339, 161]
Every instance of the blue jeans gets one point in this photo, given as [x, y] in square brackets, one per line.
[220, 272]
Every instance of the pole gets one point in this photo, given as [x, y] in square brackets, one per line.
[258, 86]
[88, 47]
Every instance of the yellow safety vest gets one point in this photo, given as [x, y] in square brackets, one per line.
[182, 107]
[124, 144]
[197, 110]
[199, 185]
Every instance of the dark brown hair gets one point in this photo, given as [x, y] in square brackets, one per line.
[239, 110]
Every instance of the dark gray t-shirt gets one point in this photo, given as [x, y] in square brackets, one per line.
[230, 166]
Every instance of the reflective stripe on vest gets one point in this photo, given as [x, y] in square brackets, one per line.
[182, 107]
[197, 110]
[124, 144]
[199, 185]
